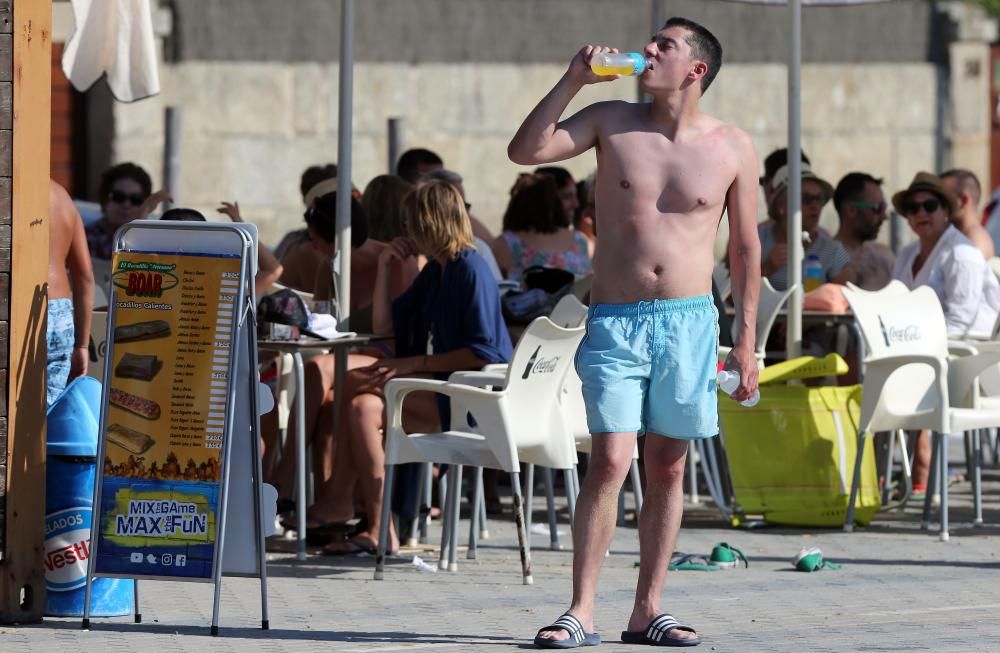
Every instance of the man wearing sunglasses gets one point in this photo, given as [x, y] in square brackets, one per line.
[125, 195]
[965, 186]
[861, 206]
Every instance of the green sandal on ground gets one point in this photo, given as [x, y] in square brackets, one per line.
[727, 556]
[691, 562]
[812, 560]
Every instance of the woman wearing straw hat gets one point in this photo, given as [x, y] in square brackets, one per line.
[944, 259]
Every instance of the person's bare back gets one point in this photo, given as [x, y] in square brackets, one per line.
[661, 198]
[70, 271]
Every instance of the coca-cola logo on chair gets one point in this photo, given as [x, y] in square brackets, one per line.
[898, 334]
[538, 365]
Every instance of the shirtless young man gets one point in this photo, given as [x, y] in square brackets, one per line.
[71, 297]
[666, 172]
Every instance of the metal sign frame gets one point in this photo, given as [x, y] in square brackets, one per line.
[188, 238]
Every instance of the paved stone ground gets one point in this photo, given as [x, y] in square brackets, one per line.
[900, 589]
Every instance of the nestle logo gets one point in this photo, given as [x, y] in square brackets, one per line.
[70, 554]
[893, 333]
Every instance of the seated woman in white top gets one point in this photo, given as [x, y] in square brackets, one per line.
[944, 259]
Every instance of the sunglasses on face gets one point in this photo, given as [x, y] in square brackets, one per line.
[120, 197]
[877, 207]
[929, 206]
[809, 198]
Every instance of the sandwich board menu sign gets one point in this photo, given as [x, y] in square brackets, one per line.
[175, 383]
[169, 386]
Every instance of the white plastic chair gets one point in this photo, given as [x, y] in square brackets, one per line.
[97, 347]
[102, 281]
[569, 312]
[507, 433]
[994, 262]
[721, 280]
[910, 382]
[769, 305]
[285, 368]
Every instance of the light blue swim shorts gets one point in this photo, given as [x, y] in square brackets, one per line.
[60, 347]
[650, 366]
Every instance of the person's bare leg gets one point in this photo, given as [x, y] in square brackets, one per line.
[921, 459]
[335, 498]
[318, 376]
[596, 514]
[366, 420]
[271, 442]
[659, 524]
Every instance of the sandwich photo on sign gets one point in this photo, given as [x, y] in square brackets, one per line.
[148, 330]
[138, 366]
[145, 408]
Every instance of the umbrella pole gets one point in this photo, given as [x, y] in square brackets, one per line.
[793, 343]
[344, 132]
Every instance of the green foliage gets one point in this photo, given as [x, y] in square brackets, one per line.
[992, 7]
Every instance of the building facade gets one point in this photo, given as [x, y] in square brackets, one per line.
[888, 88]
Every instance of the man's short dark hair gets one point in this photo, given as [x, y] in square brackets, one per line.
[967, 182]
[410, 160]
[184, 215]
[704, 47]
[315, 174]
[123, 171]
[561, 176]
[777, 160]
[852, 188]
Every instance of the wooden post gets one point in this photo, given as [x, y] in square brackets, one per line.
[24, 159]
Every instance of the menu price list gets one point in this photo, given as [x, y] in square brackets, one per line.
[204, 332]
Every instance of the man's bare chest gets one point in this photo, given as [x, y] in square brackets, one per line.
[680, 178]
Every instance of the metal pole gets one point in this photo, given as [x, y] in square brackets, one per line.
[793, 342]
[658, 16]
[172, 127]
[344, 131]
[394, 127]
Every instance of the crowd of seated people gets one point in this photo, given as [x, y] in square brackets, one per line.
[949, 253]
[414, 241]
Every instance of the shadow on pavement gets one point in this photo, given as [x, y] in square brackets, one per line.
[287, 634]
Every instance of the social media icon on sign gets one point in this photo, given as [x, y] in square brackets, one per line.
[180, 560]
[166, 559]
[151, 559]
[135, 557]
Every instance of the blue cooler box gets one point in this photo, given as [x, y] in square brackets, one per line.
[73, 422]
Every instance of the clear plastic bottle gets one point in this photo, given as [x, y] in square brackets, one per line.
[812, 277]
[729, 380]
[619, 63]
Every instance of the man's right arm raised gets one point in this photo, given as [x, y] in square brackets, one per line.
[542, 137]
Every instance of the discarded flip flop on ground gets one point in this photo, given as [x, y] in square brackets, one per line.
[691, 562]
[728, 556]
[811, 559]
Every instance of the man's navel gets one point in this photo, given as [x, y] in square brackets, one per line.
[624, 183]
